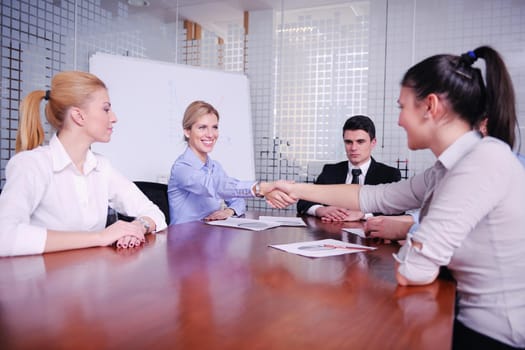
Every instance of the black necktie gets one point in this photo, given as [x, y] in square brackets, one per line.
[355, 175]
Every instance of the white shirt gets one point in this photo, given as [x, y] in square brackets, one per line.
[475, 224]
[364, 169]
[44, 191]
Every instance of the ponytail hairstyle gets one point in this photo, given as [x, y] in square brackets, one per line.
[68, 89]
[501, 101]
[454, 79]
[194, 111]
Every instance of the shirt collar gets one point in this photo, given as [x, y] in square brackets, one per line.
[61, 159]
[364, 167]
[459, 148]
[193, 160]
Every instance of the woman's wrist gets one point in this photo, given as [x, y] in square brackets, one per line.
[265, 188]
[146, 223]
[258, 189]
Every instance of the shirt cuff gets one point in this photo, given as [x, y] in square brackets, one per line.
[415, 225]
[413, 265]
[252, 187]
[312, 209]
[413, 228]
[238, 206]
[160, 221]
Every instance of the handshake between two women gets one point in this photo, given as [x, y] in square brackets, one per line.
[282, 193]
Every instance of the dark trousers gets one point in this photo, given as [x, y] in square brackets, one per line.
[465, 338]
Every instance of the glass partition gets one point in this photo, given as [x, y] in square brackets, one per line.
[310, 65]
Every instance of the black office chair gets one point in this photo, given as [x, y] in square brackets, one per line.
[156, 192]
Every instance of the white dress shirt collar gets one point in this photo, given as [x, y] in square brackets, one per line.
[61, 159]
[364, 169]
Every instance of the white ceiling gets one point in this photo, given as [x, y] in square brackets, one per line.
[214, 15]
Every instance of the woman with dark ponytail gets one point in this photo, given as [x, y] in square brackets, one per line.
[471, 200]
[56, 196]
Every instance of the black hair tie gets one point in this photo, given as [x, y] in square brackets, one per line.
[468, 58]
[46, 97]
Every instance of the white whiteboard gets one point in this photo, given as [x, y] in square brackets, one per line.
[149, 99]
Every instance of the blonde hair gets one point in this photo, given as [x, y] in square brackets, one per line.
[194, 111]
[68, 89]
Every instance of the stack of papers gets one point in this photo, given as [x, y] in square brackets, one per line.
[323, 247]
[264, 222]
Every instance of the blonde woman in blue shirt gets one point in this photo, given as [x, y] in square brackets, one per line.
[198, 185]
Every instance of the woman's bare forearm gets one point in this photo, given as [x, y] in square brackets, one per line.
[343, 195]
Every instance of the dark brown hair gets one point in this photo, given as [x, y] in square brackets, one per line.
[454, 78]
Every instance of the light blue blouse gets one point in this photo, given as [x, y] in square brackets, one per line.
[197, 189]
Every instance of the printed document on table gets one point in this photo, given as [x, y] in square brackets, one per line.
[284, 220]
[355, 231]
[321, 248]
[248, 224]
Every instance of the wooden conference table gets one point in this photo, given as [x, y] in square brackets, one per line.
[197, 286]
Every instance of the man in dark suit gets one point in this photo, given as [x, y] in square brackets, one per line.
[359, 136]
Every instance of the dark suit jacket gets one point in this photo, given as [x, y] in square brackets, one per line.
[378, 173]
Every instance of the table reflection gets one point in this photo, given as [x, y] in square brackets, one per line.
[202, 286]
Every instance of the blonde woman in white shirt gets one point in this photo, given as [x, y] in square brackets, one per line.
[56, 196]
[472, 199]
